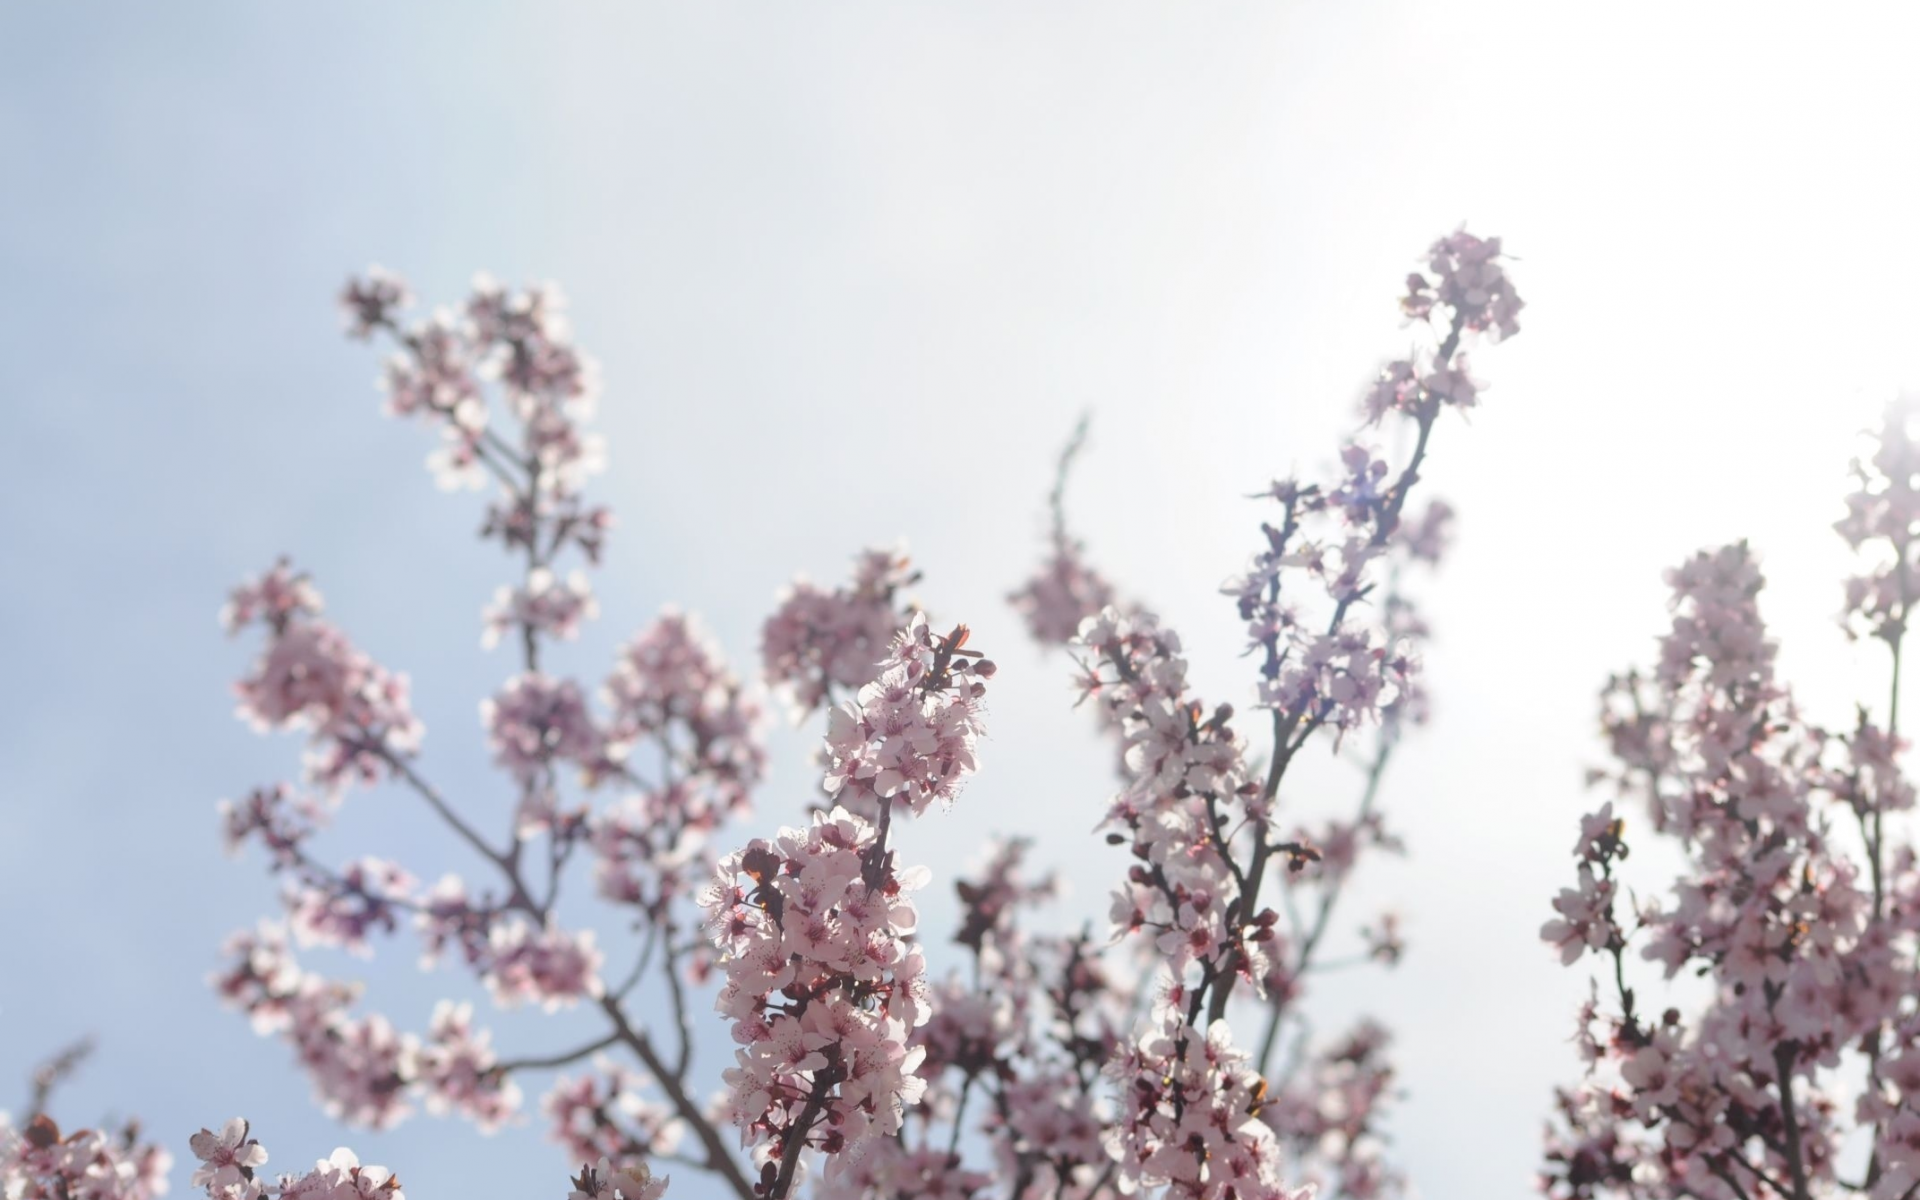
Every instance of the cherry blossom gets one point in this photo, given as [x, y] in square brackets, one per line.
[227, 1158]
[536, 722]
[456, 1068]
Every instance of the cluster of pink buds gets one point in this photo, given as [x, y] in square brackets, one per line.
[818, 641]
[310, 677]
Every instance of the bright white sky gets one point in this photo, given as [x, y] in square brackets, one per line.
[851, 272]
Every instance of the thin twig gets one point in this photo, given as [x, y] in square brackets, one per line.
[557, 1060]
[54, 1072]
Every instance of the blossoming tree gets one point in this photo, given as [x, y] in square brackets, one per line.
[1792, 1069]
[1145, 1056]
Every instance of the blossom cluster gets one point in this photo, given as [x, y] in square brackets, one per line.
[1883, 525]
[608, 1182]
[1336, 542]
[38, 1162]
[1190, 1113]
[444, 371]
[310, 677]
[1026, 1033]
[1186, 1117]
[363, 1070]
[671, 693]
[231, 1160]
[1336, 1104]
[1468, 275]
[1186, 781]
[519, 340]
[909, 737]
[604, 1115]
[1791, 900]
[822, 984]
[818, 640]
[228, 1159]
[545, 604]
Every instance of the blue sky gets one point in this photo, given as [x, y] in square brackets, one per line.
[812, 249]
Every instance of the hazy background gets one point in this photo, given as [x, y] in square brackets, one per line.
[851, 272]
